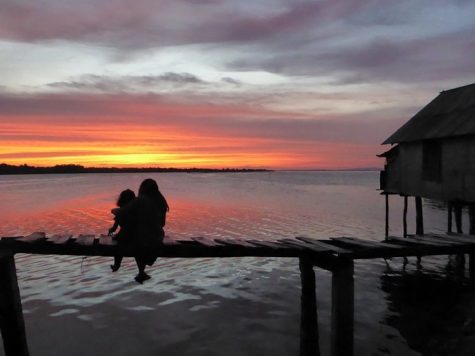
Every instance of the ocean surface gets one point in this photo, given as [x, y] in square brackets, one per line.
[233, 306]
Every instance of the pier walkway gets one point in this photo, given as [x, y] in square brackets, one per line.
[336, 255]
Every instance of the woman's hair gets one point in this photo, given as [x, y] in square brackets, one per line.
[125, 197]
[149, 188]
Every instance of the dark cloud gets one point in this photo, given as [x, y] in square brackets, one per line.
[231, 81]
[439, 58]
[129, 83]
[150, 23]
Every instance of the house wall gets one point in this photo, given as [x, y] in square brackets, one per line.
[405, 171]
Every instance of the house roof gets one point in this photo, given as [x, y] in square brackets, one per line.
[451, 113]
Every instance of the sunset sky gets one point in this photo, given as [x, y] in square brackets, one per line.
[216, 83]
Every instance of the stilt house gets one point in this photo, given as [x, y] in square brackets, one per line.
[433, 154]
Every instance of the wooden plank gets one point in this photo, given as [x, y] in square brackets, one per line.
[85, 240]
[459, 238]
[414, 241]
[206, 241]
[430, 241]
[10, 237]
[305, 245]
[439, 240]
[272, 244]
[106, 240]
[236, 243]
[168, 241]
[9, 240]
[365, 243]
[58, 239]
[322, 244]
[34, 237]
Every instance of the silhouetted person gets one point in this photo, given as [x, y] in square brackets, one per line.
[124, 236]
[146, 215]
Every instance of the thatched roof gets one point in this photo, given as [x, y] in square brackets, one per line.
[452, 113]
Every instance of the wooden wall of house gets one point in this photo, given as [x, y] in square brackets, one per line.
[405, 171]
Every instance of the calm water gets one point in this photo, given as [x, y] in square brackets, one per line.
[240, 306]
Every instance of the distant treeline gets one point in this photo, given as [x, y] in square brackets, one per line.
[76, 168]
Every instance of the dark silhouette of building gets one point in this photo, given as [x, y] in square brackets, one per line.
[433, 154]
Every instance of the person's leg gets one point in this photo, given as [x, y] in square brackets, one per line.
[117, 263]
[141, 276]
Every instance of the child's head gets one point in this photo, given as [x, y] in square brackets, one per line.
[125, 197]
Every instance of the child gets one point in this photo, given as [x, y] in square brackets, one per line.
[123, 236]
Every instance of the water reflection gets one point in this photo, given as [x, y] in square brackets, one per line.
[244, 306]
[432, 311]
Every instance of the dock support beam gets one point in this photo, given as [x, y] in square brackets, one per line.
[419, 217]
[471, 266]
[471, 215]
[309, 343]
[458, 217]
[404, 217]
[386, 226]
[12, 324]
[449, 217]
[342, 308]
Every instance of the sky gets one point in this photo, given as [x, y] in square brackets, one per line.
[279, 84]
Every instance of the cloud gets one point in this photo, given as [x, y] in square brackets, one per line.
[206, 119]
[439, 58]
[231, 81]
[129, 83]
[150, 23]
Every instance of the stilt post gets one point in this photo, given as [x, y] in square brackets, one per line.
[342, 308]
[458, 217]
[386, 230]
[12, 324]
[404, 217]
[419, 217]
[471, 215]
[309, 343]
[449, 217]
[471, 265]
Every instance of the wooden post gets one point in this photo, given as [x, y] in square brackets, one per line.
[309, 343]
[458, 217]
[342, 308]
[471, 266]
[471, 215]
[11, 315]
[386, 230]
[404, 218]
[449, 217]
[419, 217]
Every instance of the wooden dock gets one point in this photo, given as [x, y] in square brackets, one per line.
[336, 255]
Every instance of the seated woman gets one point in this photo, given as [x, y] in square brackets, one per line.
[146, 215]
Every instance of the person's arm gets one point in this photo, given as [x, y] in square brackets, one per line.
[113, 228]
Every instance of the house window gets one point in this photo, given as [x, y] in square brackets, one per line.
[432, 161]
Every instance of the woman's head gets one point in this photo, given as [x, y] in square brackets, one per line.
[125, 197]
[149, 188]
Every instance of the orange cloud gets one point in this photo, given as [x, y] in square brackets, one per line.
[131, 131]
